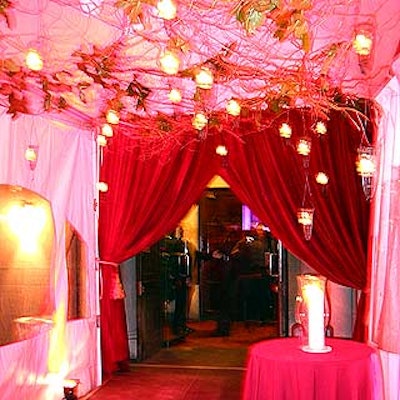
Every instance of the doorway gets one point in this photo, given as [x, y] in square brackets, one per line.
[217, 223]
[234, 256]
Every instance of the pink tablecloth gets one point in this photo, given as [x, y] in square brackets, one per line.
[279, 370]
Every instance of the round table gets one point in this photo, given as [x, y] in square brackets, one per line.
[278, 369]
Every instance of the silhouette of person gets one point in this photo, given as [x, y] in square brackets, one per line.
[253, 282]
[179, 275]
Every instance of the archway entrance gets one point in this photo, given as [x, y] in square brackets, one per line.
[215, 296]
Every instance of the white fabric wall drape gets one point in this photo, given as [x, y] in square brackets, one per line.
[385, 280]
[64, 175]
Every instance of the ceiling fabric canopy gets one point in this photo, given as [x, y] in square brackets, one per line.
[268, 56]
[265, 54]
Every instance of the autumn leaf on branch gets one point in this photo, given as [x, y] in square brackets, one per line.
[163, 124]
[252, 13]
[100, 64]
[288, 17]
[5, 7]
[179, 44]
[17, 105]
[326, 57]
[133, 8]
[138, 91]
[9, 66]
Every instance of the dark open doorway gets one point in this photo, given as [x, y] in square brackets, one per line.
[239, 266]
[220, 222]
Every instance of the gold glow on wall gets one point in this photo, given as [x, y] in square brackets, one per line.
[27, 221]
[26, 249]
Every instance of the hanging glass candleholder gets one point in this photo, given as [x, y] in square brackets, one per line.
[305, 217]
[365, 165]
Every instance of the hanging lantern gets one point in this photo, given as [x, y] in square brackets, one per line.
[285, 131]
[112, 117]
[304, 147]
[362, 43]
[107, 130]
[166, 9]
[204, 78]
[320, 128]
[199, 121]
[33, 60]
[365, 166]
[101, 140]
[170, 63]
[31, 155]
[175, 96]
[233, 107]
[366, 161]
[102, 187]
[221, 150]
[322, 178]
[305, 217]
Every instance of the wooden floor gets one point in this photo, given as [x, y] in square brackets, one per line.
[201, 367]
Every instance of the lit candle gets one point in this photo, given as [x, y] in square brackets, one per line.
[314, 296]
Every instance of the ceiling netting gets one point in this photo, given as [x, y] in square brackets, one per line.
[265, 54]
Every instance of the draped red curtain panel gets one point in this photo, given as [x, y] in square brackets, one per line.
[148, 196]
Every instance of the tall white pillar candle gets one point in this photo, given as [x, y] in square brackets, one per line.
[314, 296]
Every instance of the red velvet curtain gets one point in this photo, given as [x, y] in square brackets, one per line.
[147, 196]
[275, 181]
[268, 175]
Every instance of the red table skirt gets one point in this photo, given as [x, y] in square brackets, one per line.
[278, 370]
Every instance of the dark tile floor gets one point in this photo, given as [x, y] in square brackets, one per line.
[202, 367]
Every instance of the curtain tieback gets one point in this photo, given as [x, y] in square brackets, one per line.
[113, 288]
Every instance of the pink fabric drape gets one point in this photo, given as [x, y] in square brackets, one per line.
[64, 176]
[386, 233]
[148, 197]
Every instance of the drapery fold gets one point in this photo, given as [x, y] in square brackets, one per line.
[266, 173]
[386, 238]
[147, 197]
[64, 175]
